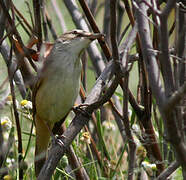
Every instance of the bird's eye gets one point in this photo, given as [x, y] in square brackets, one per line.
[75, 32]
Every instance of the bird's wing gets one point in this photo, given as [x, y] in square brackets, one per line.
[38, 83]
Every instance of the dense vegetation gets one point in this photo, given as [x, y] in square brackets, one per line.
[130, 120]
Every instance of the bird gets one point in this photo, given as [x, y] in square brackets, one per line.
[57, 87]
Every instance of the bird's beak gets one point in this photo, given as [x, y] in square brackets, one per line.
[93, 36]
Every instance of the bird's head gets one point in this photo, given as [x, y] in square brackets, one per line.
[76, 41]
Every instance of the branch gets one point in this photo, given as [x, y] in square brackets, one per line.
[3, 19]
[180, 40]
[50, 25]
[175, 99]
[44, 19]
[167, 73]
[129, 12]
[113, 30]
[59, 15]
[148, 55]
[37, 16]
[106, 22]
[168, 171]
[95, 28]
[80, 171]
[126, 46]
[167, 9]
[132, 144]
[23, 18]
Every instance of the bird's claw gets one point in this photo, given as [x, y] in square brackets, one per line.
[81, 109]
[59, 140]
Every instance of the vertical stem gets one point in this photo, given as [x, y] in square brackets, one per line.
[37, 17]
[113, 30]
[106, 22]
[95, 28]
[44, 19]
[20, 148]
[132, 145]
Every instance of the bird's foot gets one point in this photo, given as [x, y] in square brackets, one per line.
[58, 140]
[81, 109]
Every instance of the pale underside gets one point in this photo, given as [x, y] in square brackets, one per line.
[58, 93]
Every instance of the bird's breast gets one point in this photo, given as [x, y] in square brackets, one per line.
[58, 92]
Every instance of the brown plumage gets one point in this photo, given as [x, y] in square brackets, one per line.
[57, 87]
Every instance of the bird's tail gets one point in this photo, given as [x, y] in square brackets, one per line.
[42, 141]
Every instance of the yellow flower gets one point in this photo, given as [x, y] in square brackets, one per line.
[26, 104]
[6, 122]
[8, 177]
[86, 137]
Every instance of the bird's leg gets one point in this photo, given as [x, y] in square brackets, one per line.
[59, 129]
[58, 126]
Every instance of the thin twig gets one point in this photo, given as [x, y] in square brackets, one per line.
[23, 26]
[59, 15]
[113, 31]
[50, 25]
[149, 57]
[44, 19]
[132, 145]
[37, 17]
[22, 17]
[175, 98]
[121, 11]
[106, 22]
[20, 148]
[30, 13]
[80, 171]
[129, 12]
[95, 28]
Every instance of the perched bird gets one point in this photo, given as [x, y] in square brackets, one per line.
[57, 87]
